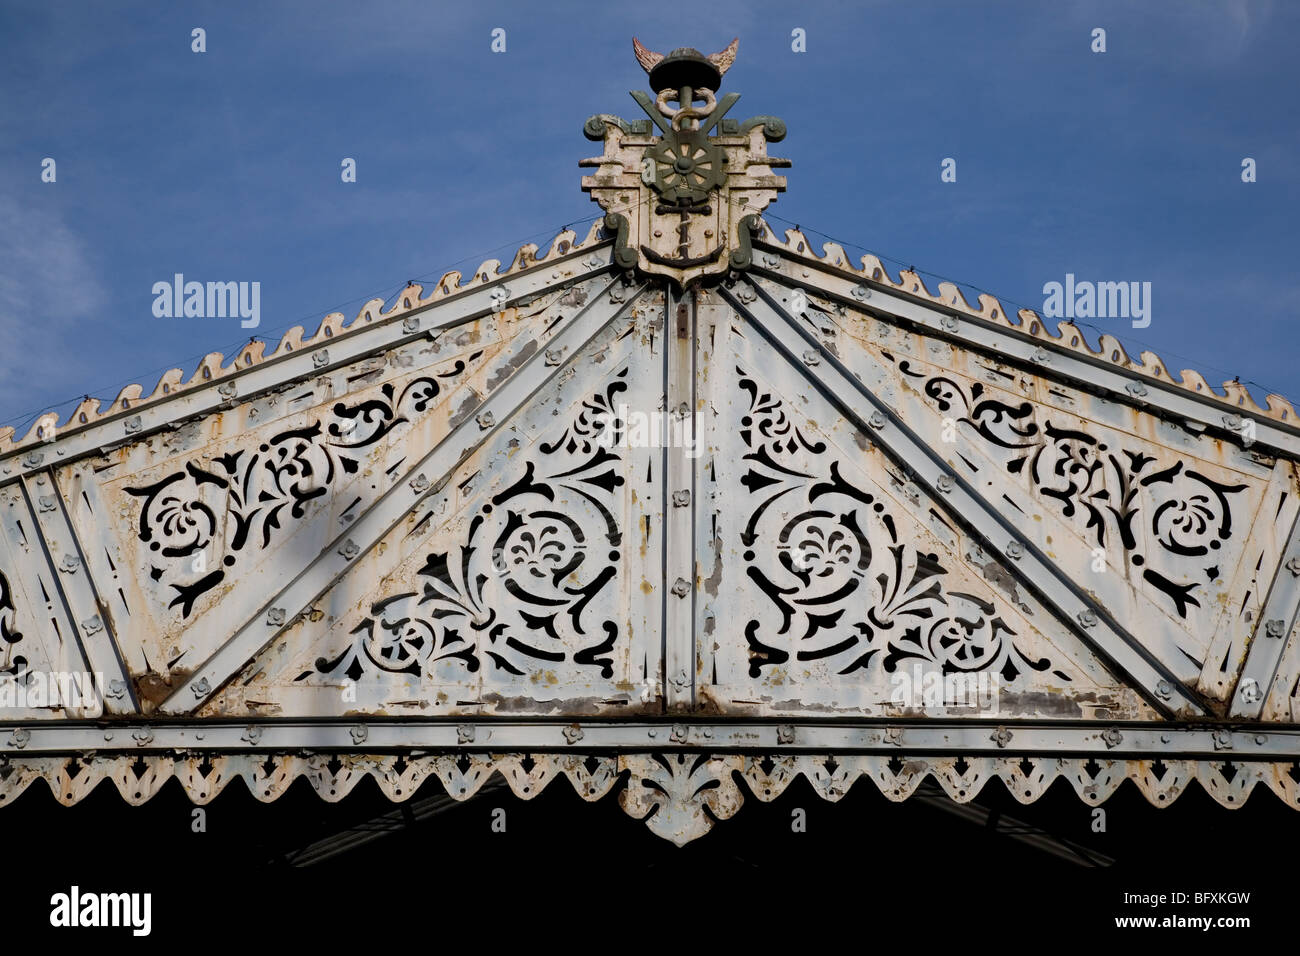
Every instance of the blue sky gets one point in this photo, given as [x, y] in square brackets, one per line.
[224, 166]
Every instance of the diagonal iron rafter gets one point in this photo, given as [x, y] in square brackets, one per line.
[1276, 619]
[92, 627]
[389, 507]
[1105, 636]
[311, 360]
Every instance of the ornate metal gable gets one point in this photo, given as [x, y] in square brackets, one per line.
[680, 509]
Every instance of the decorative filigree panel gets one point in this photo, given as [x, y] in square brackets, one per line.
[250, 495]
[527, 583]
[211, 515]
[1165, 527]
[554, 544]
[835, 577]
[1115, 493]
[848, 601]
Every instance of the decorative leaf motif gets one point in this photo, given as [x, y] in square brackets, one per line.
[681, 795]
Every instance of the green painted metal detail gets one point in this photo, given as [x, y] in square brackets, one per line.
[685, 66]
[594, 128]
[750, 228]
[773, 127]
[689, 170]
[687, 167]
[624, 255]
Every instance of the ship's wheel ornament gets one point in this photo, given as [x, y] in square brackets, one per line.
[686, 169]
[683, 190]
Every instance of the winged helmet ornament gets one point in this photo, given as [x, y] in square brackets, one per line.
[715, 63]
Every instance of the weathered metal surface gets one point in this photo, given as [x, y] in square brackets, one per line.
[680, 509]
[906, 588]
[507, 584]
[1181, 531]
[917, 735]
[682, 192]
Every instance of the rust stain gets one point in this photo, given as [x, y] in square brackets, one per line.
[153, 688]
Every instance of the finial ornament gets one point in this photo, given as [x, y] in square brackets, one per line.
[683, 191]
[647, 58]
[685, 64]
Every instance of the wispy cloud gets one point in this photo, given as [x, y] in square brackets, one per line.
[47, 283]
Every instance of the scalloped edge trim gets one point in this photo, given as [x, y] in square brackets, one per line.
[681, 817]
[1031, 325]
[212, 367]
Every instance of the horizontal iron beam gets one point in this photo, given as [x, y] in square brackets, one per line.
[903, 737]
